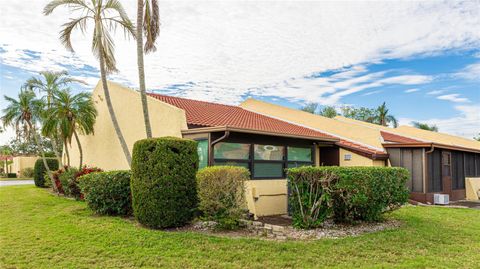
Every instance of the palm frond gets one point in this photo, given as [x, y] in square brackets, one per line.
[76, 4]
[151, 25]
[66, 32]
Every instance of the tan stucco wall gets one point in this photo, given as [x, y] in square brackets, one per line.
[103, 148]
[22, 162]
[358, 160]
[267, 197]
[472, 186]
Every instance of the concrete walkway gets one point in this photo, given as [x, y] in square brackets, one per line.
[16, 182]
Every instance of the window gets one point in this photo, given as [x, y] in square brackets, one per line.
[232, 154]
[268, 161]
[231, 151]
[298, 157]
[202, 149]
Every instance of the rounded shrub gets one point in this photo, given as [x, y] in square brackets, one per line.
[39, 170]
[163, 182]
[107, 193]
[221, 194]
[27, 172]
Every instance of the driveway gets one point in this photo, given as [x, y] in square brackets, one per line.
[15, 182]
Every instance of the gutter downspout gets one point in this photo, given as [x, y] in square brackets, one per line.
[210, 157]
[432, 148]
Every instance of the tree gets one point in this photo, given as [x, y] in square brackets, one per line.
[425, 126]
[310, 108]
[22, 115]
[361, 113]
[328, 111]
[383, 118]
[150, 26]
[21, 146]
[70, 114]
[106, 16]
[478, 137]
[50, 82]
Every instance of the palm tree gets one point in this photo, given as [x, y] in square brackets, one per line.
[425, 126]
[106, 16]
[150, 26]
[49, 82]
[383, 118]
[71, 114]
[22, 115]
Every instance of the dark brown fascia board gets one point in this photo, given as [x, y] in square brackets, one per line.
[428, 145]
[373, 156]
[250, 131]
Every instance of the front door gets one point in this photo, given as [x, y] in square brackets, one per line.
[447, 171]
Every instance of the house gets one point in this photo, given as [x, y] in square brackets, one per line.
[21, 162]
[438, 163]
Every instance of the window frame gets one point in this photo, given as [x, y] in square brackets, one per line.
[251, 161]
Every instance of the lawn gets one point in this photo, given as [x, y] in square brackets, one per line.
[15, 178]
[40, 230]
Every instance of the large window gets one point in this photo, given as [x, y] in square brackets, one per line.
[202, 149]
[235, 154]
[263, 161]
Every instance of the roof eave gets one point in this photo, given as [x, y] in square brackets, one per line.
[252, 131]
[426, 145]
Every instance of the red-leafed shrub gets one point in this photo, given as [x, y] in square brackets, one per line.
[74, 188]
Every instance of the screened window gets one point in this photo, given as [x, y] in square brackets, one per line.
[268, 161]
[299, 154]
[232, 151]
[202, 149]
[232, 163]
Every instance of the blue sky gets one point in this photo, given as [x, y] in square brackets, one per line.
[422, 58]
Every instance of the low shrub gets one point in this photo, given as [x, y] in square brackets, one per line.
[39, 170]
[163, 181]
[27, 172]
[11, 175]
[349, 194]
[221, 194]
[107, 193]
[66, 177]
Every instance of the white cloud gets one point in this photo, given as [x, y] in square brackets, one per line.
[453, 98]
[471, 72]
[412, 90]
[371, 93]
[225, 50]
[466, 123]
[435, 92]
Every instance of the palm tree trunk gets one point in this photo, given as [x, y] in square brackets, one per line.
[67, 152]
[106, 92]
[57, 154]
[37, 141]
[141, 68]
[80, 151]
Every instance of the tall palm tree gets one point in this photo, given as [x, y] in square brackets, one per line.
[383, 118]
[150, 26]
[49, 82]
[106, 16]
[71, 113]
[425, 126]
[22, 115]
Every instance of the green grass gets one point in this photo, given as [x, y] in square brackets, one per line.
[15, 178]
[40, 230]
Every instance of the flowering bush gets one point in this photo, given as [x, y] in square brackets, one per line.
[66, 179]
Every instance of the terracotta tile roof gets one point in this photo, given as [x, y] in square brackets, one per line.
[389, 137]
[208, 114]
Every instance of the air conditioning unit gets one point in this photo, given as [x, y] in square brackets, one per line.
[441, 199]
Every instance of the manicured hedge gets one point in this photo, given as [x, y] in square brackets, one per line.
[107, 193]
[221, 194]
[163, 181]
[11, 175]
[351, 193]
[39, 170]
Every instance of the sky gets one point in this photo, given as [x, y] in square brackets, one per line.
[421, 58]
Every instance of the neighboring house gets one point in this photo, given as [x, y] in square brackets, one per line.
[22, 162]
[438, 163]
